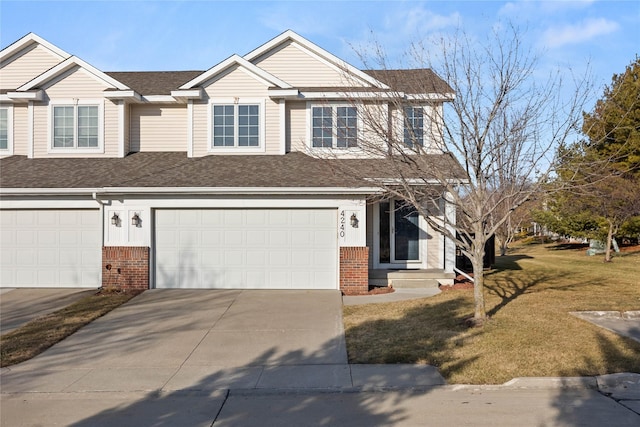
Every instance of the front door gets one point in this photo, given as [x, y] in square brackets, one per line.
[399, 233]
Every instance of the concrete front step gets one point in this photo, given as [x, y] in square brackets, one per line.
[405, 283]
[412, 279]
[414, 283]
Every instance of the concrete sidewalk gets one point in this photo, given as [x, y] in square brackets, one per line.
[626, 323]
[522, 402]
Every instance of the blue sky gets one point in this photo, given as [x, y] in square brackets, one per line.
[195, 35]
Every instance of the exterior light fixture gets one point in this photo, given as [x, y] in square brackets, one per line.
[354, 221]
[135, 220]
[115, 220]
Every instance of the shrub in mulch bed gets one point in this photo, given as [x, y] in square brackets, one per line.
[373, 290]
[460, 283]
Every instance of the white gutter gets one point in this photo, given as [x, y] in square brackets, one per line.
[415, 181]
[105, 191]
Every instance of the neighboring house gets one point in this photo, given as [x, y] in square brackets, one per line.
[200, 179]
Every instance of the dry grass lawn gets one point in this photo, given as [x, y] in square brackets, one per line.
[38, 335]
[529, 296]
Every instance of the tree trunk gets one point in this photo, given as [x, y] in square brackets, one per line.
[480, 312]
[607, 250]
[504, 245]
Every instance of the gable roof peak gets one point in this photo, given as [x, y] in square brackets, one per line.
[66, 65]
[242, 62]
[30, 39]
[337, 63]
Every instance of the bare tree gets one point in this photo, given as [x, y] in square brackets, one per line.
[496, 127]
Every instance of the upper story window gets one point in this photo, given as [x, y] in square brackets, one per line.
[76, 125]
[413, 126]
[6, 133]
[4, 128]
[236, 125]
[334, 126]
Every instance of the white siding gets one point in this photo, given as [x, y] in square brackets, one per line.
[158, 128]
[236, 83]
[296, 126]
[78, 84]
[300, 69]
[26, 65]
[20, 130]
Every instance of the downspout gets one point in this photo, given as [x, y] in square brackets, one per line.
[101, 204]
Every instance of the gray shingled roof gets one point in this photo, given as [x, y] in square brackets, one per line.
[414, 81]
[154, 82]
[174, 169]
[409, 81]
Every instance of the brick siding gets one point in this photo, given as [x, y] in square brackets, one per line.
[354, 270]
[125, 267]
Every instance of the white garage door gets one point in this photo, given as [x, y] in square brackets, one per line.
[246, 248]
[50, 248]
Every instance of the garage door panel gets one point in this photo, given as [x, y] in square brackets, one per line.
[256, 248]
[233, 239]
[50, 248]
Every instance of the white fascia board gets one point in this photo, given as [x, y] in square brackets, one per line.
[431, 97]
[129, 95]
[34, 95]
[27, 40]
[238, 190]
[67, 65]
[5, 98]
[351, 95]
[105, 191]
[45, 191]
[415, 181]
[187, 94]
[283, 93]
[317, 50]
[235, 60]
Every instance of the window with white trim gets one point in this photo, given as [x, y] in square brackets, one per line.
[334, 126]
[75, 126]
[4, 128]
[413, 126]
[235, 125]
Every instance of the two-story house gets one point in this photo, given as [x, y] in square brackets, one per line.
[202, 179]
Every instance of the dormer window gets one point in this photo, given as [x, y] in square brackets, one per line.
[237, 125]
[76, 125]
[334, 126]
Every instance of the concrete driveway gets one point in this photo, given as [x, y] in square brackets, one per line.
[194, 340]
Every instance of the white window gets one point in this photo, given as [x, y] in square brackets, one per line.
[76, 126]
[236, 125]
[413, 126]
[334, 126]
[6, 130]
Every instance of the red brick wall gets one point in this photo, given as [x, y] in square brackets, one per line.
[125, 267]
[354, 270]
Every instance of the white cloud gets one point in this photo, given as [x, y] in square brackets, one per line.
[420, 21]
[578, 33]
[523, 8]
